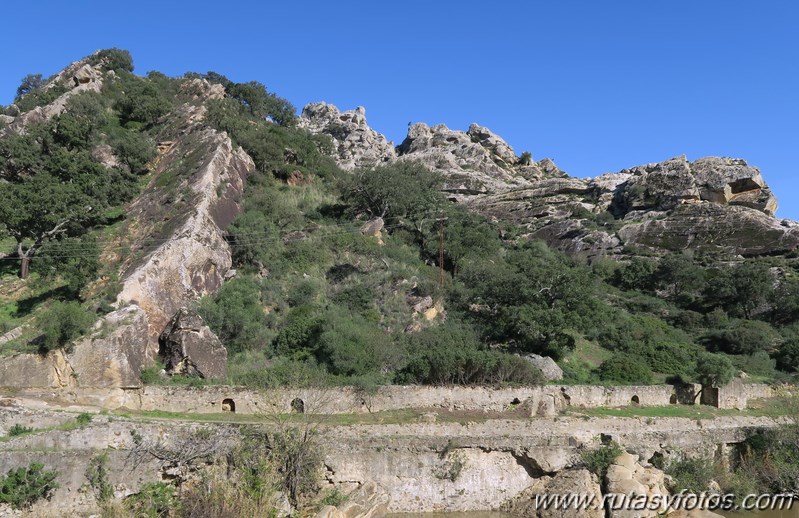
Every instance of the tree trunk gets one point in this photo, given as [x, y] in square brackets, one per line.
[25, 258]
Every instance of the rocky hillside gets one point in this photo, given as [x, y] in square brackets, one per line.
[714, 204]
[196, 230]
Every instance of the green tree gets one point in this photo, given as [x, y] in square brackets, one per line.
[396, 191]
[236, 315]
[40, 208]
[681, 277]
[30, 83]
[743, 290]
[113, 59]
[714, 370]
[260, 102]
[143, 102]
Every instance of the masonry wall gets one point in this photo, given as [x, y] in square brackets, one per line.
[547, 400]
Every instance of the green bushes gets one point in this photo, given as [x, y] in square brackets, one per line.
[598, 460]
[625, 368]
[236, 315]
[97, 476]
[23, 487]
[450, 354]
[692, 474]
[771, 457]
[18, 430]
[62, 323]
[154, 500]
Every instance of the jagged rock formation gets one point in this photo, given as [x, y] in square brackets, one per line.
[356, 144]
[190, 348]
[719, 205]
[79, 77]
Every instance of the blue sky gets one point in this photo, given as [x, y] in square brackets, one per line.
[596, 86]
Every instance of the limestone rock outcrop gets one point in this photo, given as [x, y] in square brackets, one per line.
[714, 204]
[472, 163]
[626, 476]
[78, 77]
[190, 348]
[113, 356]
[718, 204]
[366, 501]
[724, 181]
[566, 482]
[356, 144]
[192, 256]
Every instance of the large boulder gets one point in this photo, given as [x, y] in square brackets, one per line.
[578, 482]
[546, 365]
[189, 347]
[626, 477]
[113, 355]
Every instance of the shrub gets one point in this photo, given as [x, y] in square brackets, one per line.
[134, 149]
[743, 337]
[771, 457]
[692, 474]
[451, 354]
[113, 59]
[625, 368]
[62, 323]
[22, 487]
[97, 476]
[236, 315]
[599, 459]
[154, 500]
[19, 429]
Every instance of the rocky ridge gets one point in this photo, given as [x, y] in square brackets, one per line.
[178, 250]
[719, 205]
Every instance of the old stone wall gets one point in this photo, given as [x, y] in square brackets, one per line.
[543, 401]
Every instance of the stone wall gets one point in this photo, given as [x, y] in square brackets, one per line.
[544, 401]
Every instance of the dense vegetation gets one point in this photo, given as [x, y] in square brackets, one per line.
[316, 300]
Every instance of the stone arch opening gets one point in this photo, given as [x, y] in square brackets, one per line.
[228, 405]
[635, 400]
[673, 399]
[298, 405]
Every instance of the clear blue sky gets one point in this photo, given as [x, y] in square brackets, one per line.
[597, 86]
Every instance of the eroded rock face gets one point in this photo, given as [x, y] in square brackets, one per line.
[189, 347]
[356, 144]
[113, 355]
[725, 181]
[611, 215]
[469, 167]
[626, 476]
[569, 481]
[472, 163]
[193, 257]
[79, 77]
[712, 227]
